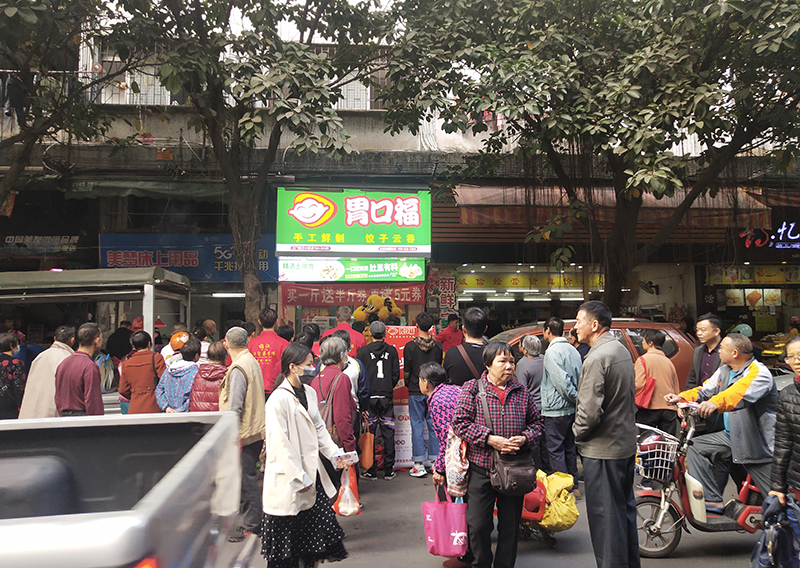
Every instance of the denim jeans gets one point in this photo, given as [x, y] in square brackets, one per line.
[418, 412]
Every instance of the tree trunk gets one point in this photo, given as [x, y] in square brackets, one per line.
[243, 215]
[17, 168]
[621, 245]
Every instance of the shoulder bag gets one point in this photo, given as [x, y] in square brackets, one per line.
[326, 408]
[643, 399]
[463, 352]
[511, 474]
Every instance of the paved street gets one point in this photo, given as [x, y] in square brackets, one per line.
[389, 534]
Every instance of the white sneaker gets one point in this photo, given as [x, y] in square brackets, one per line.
[418, 470]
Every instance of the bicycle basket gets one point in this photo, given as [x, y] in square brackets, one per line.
[655, 456]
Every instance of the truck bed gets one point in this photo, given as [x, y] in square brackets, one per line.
[109, 491]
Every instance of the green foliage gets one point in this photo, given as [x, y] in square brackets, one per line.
[250, 82]
[626, 82]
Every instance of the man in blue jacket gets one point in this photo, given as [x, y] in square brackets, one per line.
[559, 392]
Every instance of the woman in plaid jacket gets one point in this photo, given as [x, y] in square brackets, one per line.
[517, 426]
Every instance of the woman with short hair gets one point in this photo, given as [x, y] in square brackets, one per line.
[12, 376]
[517, 427]
[140, 375]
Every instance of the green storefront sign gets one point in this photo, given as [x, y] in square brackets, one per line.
[353, 222]
[298, 269]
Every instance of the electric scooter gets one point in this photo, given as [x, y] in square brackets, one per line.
[662, 516]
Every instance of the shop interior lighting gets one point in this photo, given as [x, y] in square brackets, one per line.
[478, 291]
[526, 290]
[575, 299]
[464, 264]
[227, 295]
[531, 266]
[519, 264]
[464, 298]
[747, 264]
[472, 271]
[499, 299]
[573, 290]
[483, 266]
[518, 271]
[536, 299]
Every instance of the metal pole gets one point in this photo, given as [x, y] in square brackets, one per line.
[148, 307]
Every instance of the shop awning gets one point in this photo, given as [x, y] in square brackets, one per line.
[192, 190]
[87, 285]
[514, 205]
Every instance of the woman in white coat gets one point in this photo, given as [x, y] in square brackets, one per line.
[300, 527]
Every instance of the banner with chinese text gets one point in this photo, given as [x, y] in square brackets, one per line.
[299, 269]
[348, 294]
[354, 222]
[199, 257]
[398, 336]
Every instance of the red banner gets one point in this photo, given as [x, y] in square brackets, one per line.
[349, 294]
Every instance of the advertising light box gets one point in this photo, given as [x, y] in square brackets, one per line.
[353, 222]
[314, 269]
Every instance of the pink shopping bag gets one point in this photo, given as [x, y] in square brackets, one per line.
[445, 527]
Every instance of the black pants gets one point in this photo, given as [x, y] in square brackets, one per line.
[252, 511]
[611, 511]
[663, 419]
[381, 414]
[480, 522]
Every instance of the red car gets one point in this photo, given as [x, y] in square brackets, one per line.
[678, 346]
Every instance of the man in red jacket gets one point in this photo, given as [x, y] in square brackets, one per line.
[450, 336]
[267, 348]
[356, 339]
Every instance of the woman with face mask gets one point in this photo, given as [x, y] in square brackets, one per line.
[12, 376]
[300, 527]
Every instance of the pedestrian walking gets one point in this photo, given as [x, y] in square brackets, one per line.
[785, 459]
[562, 369]
[383, 369]
[267, 348]
[417, 352]
[140, 375]
[12, 376]
[299, 525]
[517, 427]
[174, 390]
[450, 336]
[78, 376]
[39, 400]
[606, 439]
[242, 391]
[654, 363]
[205, 390]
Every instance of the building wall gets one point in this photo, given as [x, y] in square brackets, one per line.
[676, 284]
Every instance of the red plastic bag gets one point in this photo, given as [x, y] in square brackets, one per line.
[347, 502]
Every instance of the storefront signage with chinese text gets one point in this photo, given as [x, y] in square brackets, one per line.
[299, 269]
[349, 294]
[786, 236]
[199, 257]
[355, 222]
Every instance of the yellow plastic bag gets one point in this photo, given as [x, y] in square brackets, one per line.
[561, 511]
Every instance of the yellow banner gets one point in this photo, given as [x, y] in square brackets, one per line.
[543, 281]
[762, 274]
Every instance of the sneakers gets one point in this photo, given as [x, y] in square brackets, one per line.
[418, 470]
[389, 476]
[368, 475]
[241, 533]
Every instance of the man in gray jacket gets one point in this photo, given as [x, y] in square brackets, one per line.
[562, 368]
[606, 438]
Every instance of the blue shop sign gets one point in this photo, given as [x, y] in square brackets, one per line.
[199, 257]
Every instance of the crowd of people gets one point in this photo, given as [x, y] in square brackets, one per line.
[303, 401]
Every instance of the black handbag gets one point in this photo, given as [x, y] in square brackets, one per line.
[511, 474]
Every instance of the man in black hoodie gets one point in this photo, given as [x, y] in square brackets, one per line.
[422, 349]
[383, 369]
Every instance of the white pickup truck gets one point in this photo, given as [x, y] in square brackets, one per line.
[145, 491]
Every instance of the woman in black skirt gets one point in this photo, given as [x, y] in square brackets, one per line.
[300, 527]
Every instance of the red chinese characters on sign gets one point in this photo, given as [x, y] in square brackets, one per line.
[144, 259]
[348, 294]
[364, 211]
[447, 289]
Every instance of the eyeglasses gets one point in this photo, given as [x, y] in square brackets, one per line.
[792, 357]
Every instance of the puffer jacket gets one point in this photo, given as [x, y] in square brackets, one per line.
[786, 457]
[205, 391]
